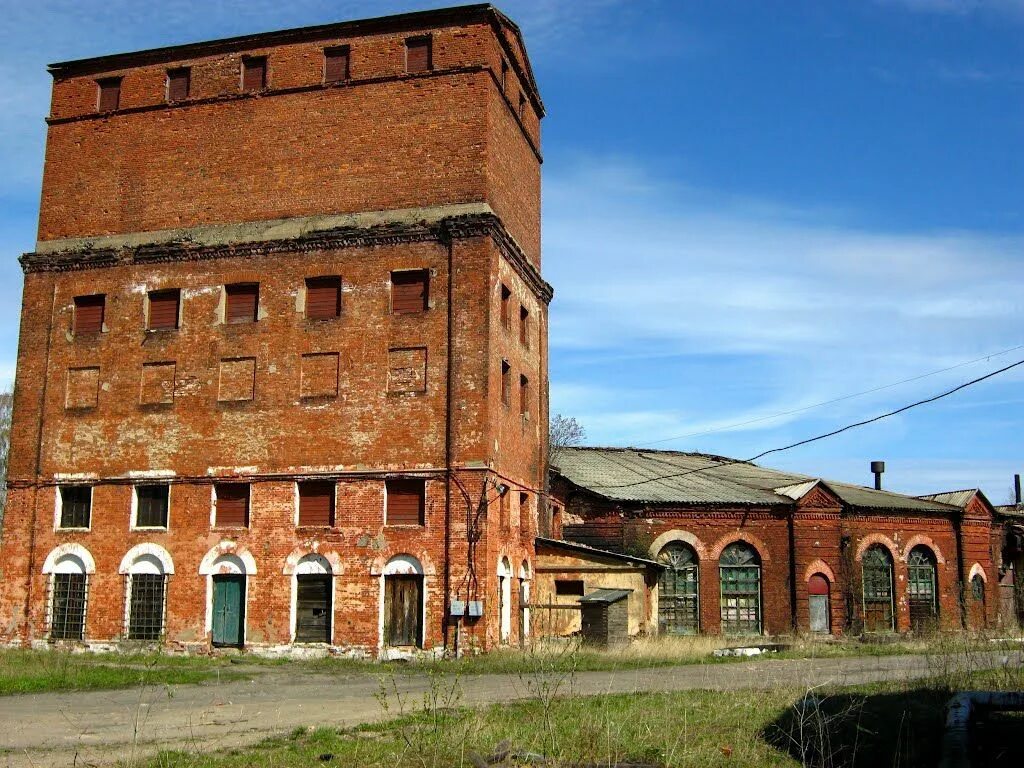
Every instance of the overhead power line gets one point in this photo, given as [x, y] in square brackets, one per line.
[816, 438]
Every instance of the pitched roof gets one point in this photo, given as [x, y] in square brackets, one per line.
[955, 498]
[698, 479]
[586, 549]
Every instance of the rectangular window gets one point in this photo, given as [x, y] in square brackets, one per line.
[569, 587]
[524, 396]
[323, 297]
[336, 64]
[232, 505]
[524, 508]
[254, 73]
[67, 617]
[153, 504]
[410, 291]
[506, 301]
[179, 83]
[75, 506]
[405, 502]
[242, 301]
[109, 94]
[316, 504]
[418, 54]
[524, 327]
[505, 510]
[146, 607]
[506, 382]
[163, 309]
[89, 311]
[522, 106]
[504, 75]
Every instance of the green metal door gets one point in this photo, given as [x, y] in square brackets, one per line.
[228, 609]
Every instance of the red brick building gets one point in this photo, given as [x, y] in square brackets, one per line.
[750, 550]
[282, 374]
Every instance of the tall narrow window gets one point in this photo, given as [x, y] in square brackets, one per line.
[316, 504]
[522, 106]
[524, 509]
[410, 290]
[89, 311]
[679, 590]
[506, 301]
[67, 606]
[819, 608]
[231, 505]
[739, 568]
[242, 301]
[254, 73]
[179, 83]
[418, 54]
[323, 297]
[109, 94]
[405, 502]
[524, 396]
[146, 605]
[75, 506]
[505, 510]
[921, 589]
[152, 506]
[506, 382]
[336, 64]
[504, 75]
[524, 327]
[163, 309]
[876, 577]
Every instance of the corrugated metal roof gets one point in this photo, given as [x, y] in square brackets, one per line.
[606, 596]
[694, 479]
[586, 549]
[955, 498]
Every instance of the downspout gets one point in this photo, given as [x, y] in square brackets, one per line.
[446, 238]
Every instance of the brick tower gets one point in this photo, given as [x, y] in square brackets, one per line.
[282, 374]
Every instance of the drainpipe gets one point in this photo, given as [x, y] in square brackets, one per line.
[446, 239]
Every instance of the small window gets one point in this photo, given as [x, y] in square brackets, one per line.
[323, 297]
[163, 309]
[89, 311]
[410, 291]
[336, 64]
[231, 505]
[524, 327]
[506, 300]
[153, 504]
[254, 73]
[316, 504]
[109, 97]
[504, 75]
[418, 54]
[179, 83]
[524, 396]
[75, 506]
[405, 502]
[522, 106]
[506, 382]
[242, 302]
[524, 507]
[569, 587]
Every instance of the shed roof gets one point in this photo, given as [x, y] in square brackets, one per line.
[606, 596]
[586, 549]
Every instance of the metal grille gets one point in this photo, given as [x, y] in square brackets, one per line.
[75, 506]
[146, 606]
[678, 591]
[67, 607]
[740, 576]
[921, 588]
[876, 572]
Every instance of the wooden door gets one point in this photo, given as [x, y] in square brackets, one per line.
[228, 610]
[313, 609]
[402, 610]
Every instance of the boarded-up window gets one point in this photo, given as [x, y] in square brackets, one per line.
[109, 97]
[68, 606]
[418, 54]
[524, 327]
[506, 300]
[506, 382]
[407, 370]
[323, 297]
[89, 312]
[312, 608]
[83, 388]
[320, 375]
[405, 502]
[75, 506]
[232, 505]
[153, 504]
[568, 588]
[254, 73]
[179, 83]
[241, 302]
[409, 291]
[524, 396]
[316, 504]
[163, 309]
[157, 384]
[237, 379]
[336, 64]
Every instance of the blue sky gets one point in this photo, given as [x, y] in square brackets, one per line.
[749, 208]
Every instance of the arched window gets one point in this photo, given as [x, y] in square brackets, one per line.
[818, 604]
[978, 588]
[678, 590]
[876, 570]
[69, 586]
[147, 594]
[739, 568]
[313, 599]
[922, 589]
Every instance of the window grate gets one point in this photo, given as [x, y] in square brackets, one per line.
[67, 606]
[146, 606]
[739, 572]
[678, 593]
[876, 575]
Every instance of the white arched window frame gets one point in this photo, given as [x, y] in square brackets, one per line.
[316, 565]
[69, 567]
[405, 566]
[524, 599]
[146, 568]
[504, 600]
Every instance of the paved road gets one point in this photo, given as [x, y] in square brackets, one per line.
[75, 729]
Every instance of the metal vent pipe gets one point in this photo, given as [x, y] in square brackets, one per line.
[877, 468]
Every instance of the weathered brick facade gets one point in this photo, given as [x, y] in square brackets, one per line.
[385, 171]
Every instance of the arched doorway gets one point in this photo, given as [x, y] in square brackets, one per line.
[403, 602]
[314, 595]
[876, 578]
[922, 589]
[679, 590]
[739, 570]
[504, 600]
[819, 604]
[524, 603]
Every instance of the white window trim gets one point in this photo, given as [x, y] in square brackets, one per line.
[392, 569]
[294, 613]
[135, 509]
[58, 507]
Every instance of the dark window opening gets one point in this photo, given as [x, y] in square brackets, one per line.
[242, 302]
[323, 297]
[524, 396]
[978, 588]
[522, 106]
[179, 83]
[254, 74]
[922, 589]
[163, 309]
[679, 590]
[506, 300]
[89, 312]
[406, 502]
[409, 291]
[68, 606]
[876, 577]
[336, 63]
[524, 508]
[524, 327]
[75, 506]
[316, 504]
[146, 608]
[569, 587]
[418, 54]
[506, 382]
[505, 511]
[313, 609]
[109, 94]
[153, 505]
[232, 505]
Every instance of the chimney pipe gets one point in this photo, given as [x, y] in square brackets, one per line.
[1016, 489]
[878, 467]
